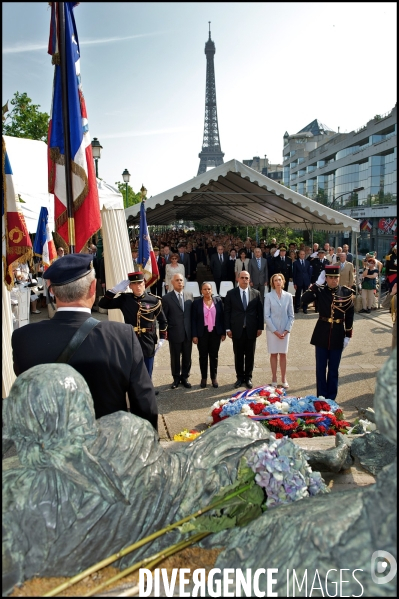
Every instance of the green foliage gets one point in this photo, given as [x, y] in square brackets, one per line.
[25, 119]
[239, 508]
[132, 198]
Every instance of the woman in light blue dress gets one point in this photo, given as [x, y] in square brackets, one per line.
[279, 318]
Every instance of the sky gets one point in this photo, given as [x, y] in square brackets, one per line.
[278, 66]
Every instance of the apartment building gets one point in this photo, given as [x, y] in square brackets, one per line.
[354, 173]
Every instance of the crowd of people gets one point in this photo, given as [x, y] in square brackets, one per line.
[259, 296]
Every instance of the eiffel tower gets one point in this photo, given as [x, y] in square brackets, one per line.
[211, 154]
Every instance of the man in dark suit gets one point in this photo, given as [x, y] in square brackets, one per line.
[184, 259]
[177, 309]
[258, 272]
[109, 357]
[166, 253]
[243, 319]
[219, 266]
[156, 289]
[317, 266]
[301, 279]
[283, 264]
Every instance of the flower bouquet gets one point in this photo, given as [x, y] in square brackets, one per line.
[186, 435]
[286, 416]
[272, 474]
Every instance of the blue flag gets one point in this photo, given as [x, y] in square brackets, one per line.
[146, 257]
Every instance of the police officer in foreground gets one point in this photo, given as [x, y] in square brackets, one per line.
[106, 354]
[141, 309]
[333, 329]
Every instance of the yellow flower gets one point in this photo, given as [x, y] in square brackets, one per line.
[186, 435]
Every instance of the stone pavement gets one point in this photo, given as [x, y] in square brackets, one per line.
[188, 408]
[367, 351]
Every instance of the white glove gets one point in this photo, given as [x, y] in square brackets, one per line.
[346, 342]
[314, 255]
[276, 253]
[322, 278]
[120, 286]
[159, 344]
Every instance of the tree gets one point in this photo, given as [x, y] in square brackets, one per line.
[25, 119]
[132, 198]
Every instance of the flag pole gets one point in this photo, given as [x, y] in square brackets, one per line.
[65, 120]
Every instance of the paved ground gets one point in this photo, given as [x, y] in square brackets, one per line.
[188, 408]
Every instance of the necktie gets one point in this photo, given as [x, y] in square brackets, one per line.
[181, 301]
[244, 300]
[243, 266]
[282, 259]
[181, 257]
[220, 257]
[258, 260]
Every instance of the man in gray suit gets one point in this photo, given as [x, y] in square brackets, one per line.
[257, 268]
[177, 308]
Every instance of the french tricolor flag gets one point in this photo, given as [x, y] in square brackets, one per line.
[85, 195]
[43, 245]
[146, 257]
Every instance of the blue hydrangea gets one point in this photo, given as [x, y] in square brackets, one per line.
[282, 470]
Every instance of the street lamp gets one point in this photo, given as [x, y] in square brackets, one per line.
[355, 190]
[126, 178]
[96, 148]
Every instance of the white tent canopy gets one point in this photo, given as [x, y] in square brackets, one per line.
[28, 159]
[232, 194]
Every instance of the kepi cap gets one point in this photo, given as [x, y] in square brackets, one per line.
[332, 270]
[321, 251]
[283, 248]
[136, 277]
[69, 268]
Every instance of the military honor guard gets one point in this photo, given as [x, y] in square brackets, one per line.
[141, 309]
[333, 329]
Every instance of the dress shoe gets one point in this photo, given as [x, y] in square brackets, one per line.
[156, 392]
[185, 383]
[175, 384]
[238, 383]
[296, 311]
[215, 383]
[203, 383]
[94, 310]
[362, 311]
[35, 312]
[305, 311]
[285, 385]
[249, 384]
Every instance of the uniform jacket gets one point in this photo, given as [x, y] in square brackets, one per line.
[278, 313]
[141, 313]
[197, 317]
[346, 275]
[219, 269]
[333, 304]
[110, 359]
[284, 268]
[258, 276]
[234, 313]
[301, 274]
[179, 325]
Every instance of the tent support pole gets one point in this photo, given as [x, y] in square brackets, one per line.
[354, 245]
[312, 236]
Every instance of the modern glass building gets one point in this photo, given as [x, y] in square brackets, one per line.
[354, 173]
